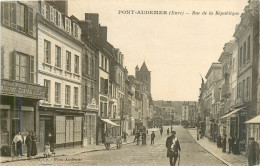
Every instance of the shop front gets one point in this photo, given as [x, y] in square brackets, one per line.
[90, 117]
[18, 111]
[61, 128]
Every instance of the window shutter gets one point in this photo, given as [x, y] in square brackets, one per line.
[32, 69]
[74, 29]
[106, 86]
[51, 13]
[43, 8]
[59, 21]
[79, 33]
[13, 15]
[54, 16]
[6, 13]
[12, 65]
[30, 21]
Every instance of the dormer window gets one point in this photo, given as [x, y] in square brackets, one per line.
[76, 31]
[67, 25]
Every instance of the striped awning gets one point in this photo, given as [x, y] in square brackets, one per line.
[232, 112]
[110, 122]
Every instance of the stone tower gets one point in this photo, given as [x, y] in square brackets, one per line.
[144, 75]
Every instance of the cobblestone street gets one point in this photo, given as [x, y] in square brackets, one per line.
[192, 154]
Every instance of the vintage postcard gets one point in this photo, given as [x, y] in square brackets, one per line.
[130, 82]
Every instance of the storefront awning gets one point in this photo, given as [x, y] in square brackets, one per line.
[255, 120]
[110, 122]
[236, 110]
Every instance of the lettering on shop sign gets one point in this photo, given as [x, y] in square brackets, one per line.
[14, 88]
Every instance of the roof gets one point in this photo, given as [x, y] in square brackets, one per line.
[214, 66]
[144, 67]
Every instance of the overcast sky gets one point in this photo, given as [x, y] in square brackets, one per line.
[175, 48]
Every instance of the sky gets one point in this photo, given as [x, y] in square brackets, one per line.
[175, 48]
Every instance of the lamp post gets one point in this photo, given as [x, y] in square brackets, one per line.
[171, 118]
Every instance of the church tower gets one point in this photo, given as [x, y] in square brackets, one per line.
[144, 75]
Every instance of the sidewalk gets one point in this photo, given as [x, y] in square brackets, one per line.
[67, 152]
[211, 147]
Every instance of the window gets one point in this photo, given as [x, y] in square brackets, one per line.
[48, 11]
[76, 96]
[76, 31]
[102, 61]
[67, 95]
[13, 15]
[106, 64]
[20, 15]
[57, 92]
[22, 67]
[244, 53]
[249, 88]
[51, 13]
[68, 61]
[243, 90]
[86, 95]
[67, 25]
[248, 48]
[6, 13]
[47, 83]
[58, 19]
[76, 64]
[42, 7]
[47, 52]
[58, 56]
[93, 67]
[30, 21]
[240, 57]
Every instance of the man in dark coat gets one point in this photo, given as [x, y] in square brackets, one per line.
[138, 137]
[253, 152]
[230, 144]
[168, 131]
[28, 143]
[152, 138]
[144, 138]
[173, 148]
[224, 143]
[161, 130]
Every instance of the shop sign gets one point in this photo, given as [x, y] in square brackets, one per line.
[21, 89]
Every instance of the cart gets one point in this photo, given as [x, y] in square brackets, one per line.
[113, 140]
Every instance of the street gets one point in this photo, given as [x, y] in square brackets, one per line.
[192, 154]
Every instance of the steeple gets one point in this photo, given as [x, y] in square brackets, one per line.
[144, 67]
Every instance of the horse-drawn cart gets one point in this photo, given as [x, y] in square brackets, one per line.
[113, 140]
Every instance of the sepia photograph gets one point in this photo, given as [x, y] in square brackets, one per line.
[130, 82]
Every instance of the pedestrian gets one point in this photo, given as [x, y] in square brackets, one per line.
[173, 148]
[219, 141]
[144, 138]
[18, 144]
[138, 137]
[253, 152]
[235, 148]
[230, 144]
[34, 151]
[168, 131]
[28, 143]
[125, 136]
[152, 138]
[224, 143]
[161, 130]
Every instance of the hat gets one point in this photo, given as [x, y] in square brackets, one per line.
[173, 132]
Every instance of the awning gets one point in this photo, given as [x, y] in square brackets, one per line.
[254, 120]
[236, 110]
[110, 122]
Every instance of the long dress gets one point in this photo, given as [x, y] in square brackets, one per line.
[34, 146]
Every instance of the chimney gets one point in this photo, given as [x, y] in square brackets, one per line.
[94, 18]
[103, 33]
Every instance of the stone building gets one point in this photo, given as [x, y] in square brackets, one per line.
[20, 91]
[59, 69]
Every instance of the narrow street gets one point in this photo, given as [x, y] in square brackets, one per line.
[191, 155]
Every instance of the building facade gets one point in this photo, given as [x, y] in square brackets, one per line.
[60, 70]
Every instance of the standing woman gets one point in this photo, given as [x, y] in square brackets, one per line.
[34, 146]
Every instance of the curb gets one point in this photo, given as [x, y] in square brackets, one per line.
[39, 157]
[224, 161]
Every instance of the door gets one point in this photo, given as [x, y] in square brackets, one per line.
[42, 134]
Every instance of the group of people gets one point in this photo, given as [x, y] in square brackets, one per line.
[232, 142]
[30, 142]
[140, 134]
